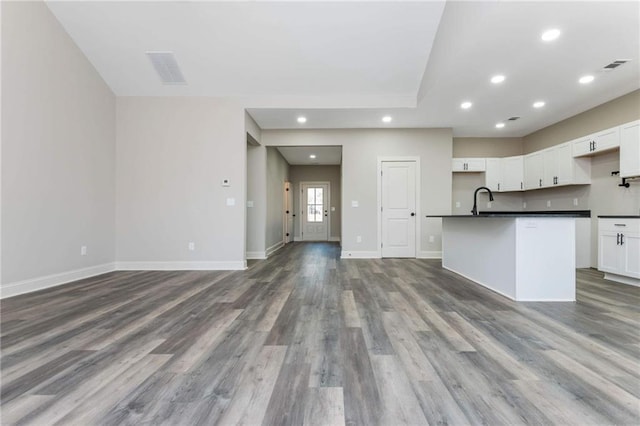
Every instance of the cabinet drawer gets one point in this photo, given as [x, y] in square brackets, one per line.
[626, 225]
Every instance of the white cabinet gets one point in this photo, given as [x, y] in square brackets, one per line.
[505, 174]
[533, 170]
[493, 174]
[468, 165]
[630, 149]
[597, 142]
[512, 173]
[619, 249]
[556, 166]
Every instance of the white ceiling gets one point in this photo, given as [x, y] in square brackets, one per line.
[299, 155]
[347, 64]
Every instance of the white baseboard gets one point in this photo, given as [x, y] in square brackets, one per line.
[360, 255]
[622, 279]
[40, 283]
[335, 239]
[182, 266]
[256, 255]
[274, 248]
[296, 239]
[429, 255]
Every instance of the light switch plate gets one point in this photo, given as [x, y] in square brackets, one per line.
[231, 201]
[354, 203]
[249, 203]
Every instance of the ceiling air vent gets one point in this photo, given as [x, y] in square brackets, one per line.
[513, 118]
[615, 64]
[167, 67]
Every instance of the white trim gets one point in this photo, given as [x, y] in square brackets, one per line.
[360, 255]
[334, 239]
[274, 248]
[182, 266]
[622, 279]
[416, 159]
[256, 255]
[53, 280]
[297, 238]
[430, 255]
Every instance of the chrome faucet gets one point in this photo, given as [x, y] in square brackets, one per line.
[474, 211]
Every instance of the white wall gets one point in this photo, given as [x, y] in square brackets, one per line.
[277, 175]
[172, 155]
[360, 151]
[58, 148]
[256, 208]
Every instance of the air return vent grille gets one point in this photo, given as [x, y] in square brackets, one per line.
[513, 118]
[167, 67]
[615, 64]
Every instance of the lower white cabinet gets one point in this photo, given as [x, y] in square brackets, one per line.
[619, 249]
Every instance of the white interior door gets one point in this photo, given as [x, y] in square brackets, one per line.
[288, 212]
[398, 190]
[315, 211]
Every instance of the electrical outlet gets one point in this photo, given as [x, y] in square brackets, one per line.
[575, 201]
[83, 250]
[548, 203]
[457, 204]
[524, 205]
[488, 204]
[431, 238]
[358, 239]
[192, 246]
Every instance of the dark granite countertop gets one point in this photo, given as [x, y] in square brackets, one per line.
[548, 213]
[631, 216]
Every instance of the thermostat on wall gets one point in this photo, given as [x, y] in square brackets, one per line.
[225, 182]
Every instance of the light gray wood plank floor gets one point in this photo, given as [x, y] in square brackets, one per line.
[305, 338]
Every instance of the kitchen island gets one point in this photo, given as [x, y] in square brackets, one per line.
[525, 256]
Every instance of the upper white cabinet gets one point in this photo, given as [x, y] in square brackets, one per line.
[555, 166]
[468, 165]
[505, 174]
[597, 142]
[512, 176]
[630, 149]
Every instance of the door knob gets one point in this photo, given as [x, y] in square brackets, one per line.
[413, 214]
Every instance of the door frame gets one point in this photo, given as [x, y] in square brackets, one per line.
[300, 204]
[416, 160]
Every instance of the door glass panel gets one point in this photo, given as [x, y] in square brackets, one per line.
[314, 204]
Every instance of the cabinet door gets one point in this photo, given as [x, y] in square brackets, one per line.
[564, 164]
[631, 255]
[493, 175]
[475, 164]
[458, 164]
[582, 146]
[609, 253]
[630, 149]
[549, 167]
[607, 139]
[533, 170]
[512, 173]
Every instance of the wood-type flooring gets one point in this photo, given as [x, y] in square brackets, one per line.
[305, 338]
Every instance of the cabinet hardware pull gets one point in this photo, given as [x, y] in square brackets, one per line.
[621, 239]
[619, 224]
[498, 187]
[618, 239]
[540, 182]
[521, 185]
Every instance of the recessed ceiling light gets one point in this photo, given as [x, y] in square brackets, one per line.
[387, 119]
[312, 156]
[302, 120]
[586, 79]
[550, 35]
[499, 125]
[466, 105]
[538, 104]
[497, 79]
